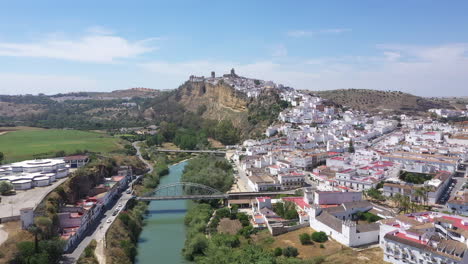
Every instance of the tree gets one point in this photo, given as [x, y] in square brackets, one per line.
[375, 194]
[196, 246]
[5, 187]
[305, 239]
[351, 147]
[319, 237]
[290, 252]
[2, 157]
[278, 252]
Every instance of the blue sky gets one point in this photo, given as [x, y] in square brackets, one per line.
[415, 46]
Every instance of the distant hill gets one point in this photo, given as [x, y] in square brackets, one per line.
[381, 101]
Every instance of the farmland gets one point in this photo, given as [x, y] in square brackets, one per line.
[28, 143]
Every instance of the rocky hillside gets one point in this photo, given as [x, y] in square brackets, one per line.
[221, 101]
[386, 101]
[215, 102]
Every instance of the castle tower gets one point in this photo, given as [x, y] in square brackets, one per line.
[213, 75]
[348, 229]
[233, 73]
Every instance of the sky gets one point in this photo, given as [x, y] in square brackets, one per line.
[416, 46]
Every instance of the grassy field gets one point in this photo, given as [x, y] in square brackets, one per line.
[28, 143]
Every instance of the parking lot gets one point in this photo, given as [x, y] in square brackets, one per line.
[12, 204]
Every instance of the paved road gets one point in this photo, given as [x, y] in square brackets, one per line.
[460, 183]
[190, 151]
[100, 230]
[137, 147]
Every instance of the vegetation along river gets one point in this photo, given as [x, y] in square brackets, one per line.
[163, 236]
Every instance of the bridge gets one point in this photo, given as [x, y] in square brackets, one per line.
[217, 152]
[195, 191]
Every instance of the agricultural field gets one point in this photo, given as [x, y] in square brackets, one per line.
[29, 143]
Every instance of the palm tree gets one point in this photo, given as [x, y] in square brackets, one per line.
[35, 231]
[420, 193]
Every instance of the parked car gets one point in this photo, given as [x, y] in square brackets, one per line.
[120, 205]
[115, 212]
[128, 191]
[108, 220]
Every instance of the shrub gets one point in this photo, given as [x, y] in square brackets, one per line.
[290, 252]
[322, 246]
[278, 252]
[305, 239]
[319, 237]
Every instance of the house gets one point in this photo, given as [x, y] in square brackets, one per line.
[435, 188]
[291, 180]
[76, 161]
[422, 163]
[426, 237]
[459, 204]
[338, 223]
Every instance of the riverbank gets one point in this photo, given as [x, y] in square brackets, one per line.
[164, 232]
[130, 224]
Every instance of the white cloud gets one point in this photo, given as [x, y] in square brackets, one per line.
[16, 83]
[98, 46]
[307, 33]
[424, 71]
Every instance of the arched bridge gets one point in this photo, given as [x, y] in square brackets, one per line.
[195, 191]
[183, 191]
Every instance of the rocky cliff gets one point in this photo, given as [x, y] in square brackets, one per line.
[213, 101]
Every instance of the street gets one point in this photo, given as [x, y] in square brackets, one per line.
[100, 230]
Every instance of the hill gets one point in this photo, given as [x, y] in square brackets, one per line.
[219, 99]
[377, 101]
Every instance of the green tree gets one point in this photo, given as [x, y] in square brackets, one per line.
[351, 147]
[195, 247]
[290, 252]
[2, 157]
[278, 252]
[305, 239]
[319, 237]
[5, 187]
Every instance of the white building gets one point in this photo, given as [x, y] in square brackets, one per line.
[427, 237]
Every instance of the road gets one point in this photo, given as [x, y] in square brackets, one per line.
[190, 151]
[99, 232]
[135, 145]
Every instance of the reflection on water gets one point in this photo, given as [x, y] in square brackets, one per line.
[163, 235]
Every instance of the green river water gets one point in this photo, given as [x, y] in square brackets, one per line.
[163, 236]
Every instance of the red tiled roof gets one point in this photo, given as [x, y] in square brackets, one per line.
[299, 201]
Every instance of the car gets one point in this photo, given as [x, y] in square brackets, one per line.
[115, 212]
[128, 192]
[109, 220]
[120, 205]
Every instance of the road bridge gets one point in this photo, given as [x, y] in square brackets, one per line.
[217, 152]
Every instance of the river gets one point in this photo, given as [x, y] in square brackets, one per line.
[163, 236]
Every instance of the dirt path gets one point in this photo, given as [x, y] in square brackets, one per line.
[99, 252]
[3, 235]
